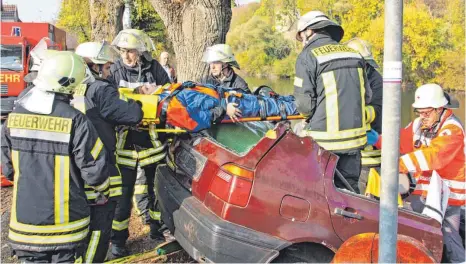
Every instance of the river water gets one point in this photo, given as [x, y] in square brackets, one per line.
[285, 87]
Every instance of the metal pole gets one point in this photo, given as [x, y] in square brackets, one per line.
[127, 15]
[392, 75]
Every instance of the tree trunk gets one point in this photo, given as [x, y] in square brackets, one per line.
[194, 25]
[106, 18]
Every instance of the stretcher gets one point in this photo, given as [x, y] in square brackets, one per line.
[186, 107]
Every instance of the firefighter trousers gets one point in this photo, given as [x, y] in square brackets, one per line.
[100, 231]
[139, 183]
[349, 165]
[57, 256]
[453, 249]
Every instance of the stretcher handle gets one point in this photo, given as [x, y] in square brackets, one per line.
[270, 118]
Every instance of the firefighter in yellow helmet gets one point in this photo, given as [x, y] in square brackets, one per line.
[331, 90]
[138, 151]
[105, 108]
[370, 156]
[51, 150]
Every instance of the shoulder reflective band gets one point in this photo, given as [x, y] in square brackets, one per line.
[333, 52]
[39, 122]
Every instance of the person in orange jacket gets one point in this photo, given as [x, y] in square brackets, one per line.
[435, 141]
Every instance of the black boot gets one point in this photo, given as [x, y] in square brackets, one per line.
[156, 231]
[119, 250]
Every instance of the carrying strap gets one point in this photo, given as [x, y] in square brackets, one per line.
[262, 108]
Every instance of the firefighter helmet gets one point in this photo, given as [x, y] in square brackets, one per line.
[430, 95]
[364, 48]
[221, 53]
[61, 73]
[318, 20]
[97, 52]
[133, 39]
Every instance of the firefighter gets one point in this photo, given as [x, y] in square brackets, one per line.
[221, 61]
[331, 91]
[106, 110]
[51, 150]
[370, 156]
[435, 141]
[138, 152]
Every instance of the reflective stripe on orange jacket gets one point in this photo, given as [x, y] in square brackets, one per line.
[443, 152]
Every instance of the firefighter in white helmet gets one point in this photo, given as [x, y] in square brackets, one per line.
[370, 156]
[435, 142]
[102, 104]
[52, 150]
[331, 91]
[138, 151]
[221, 62]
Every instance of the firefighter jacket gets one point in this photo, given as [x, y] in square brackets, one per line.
[331, 90]
[441, 149]
[143, 147]
[51, 158]
[370, 156]
[103, 106]
[232, 81]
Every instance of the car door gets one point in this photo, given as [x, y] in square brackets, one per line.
[354, 214]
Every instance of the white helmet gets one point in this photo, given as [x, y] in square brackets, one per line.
[97, 52]
[430, 95]
[220, 52]
[61, 73]
[364, 48]
[318, 20]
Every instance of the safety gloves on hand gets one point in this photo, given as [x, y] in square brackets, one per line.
[372, 137]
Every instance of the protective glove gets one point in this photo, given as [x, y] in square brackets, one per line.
[372, 137]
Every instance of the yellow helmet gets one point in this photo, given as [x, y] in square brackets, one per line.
[97, 52]
[61, 73]
[134, 39]
[364, 48]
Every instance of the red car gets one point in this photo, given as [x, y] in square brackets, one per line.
[252, 192]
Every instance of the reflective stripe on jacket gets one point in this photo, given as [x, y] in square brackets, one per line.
[103, 105]
[370, 156]
[331, 89]
[443, 152]
[134, 146]
[50, 158]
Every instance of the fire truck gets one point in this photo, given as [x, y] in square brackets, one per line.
[17, 40]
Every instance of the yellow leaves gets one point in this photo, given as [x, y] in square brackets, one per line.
[74, 17]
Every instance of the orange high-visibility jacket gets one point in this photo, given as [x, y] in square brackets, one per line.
[443, 151]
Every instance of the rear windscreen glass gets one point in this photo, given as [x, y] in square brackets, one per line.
[240, 137]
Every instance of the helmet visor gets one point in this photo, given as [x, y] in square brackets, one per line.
[106, 54]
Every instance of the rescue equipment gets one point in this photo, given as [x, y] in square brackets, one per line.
[187, 106]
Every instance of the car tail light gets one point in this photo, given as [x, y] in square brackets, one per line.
[233, 184]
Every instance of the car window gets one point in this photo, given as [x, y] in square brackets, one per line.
[239, 137]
